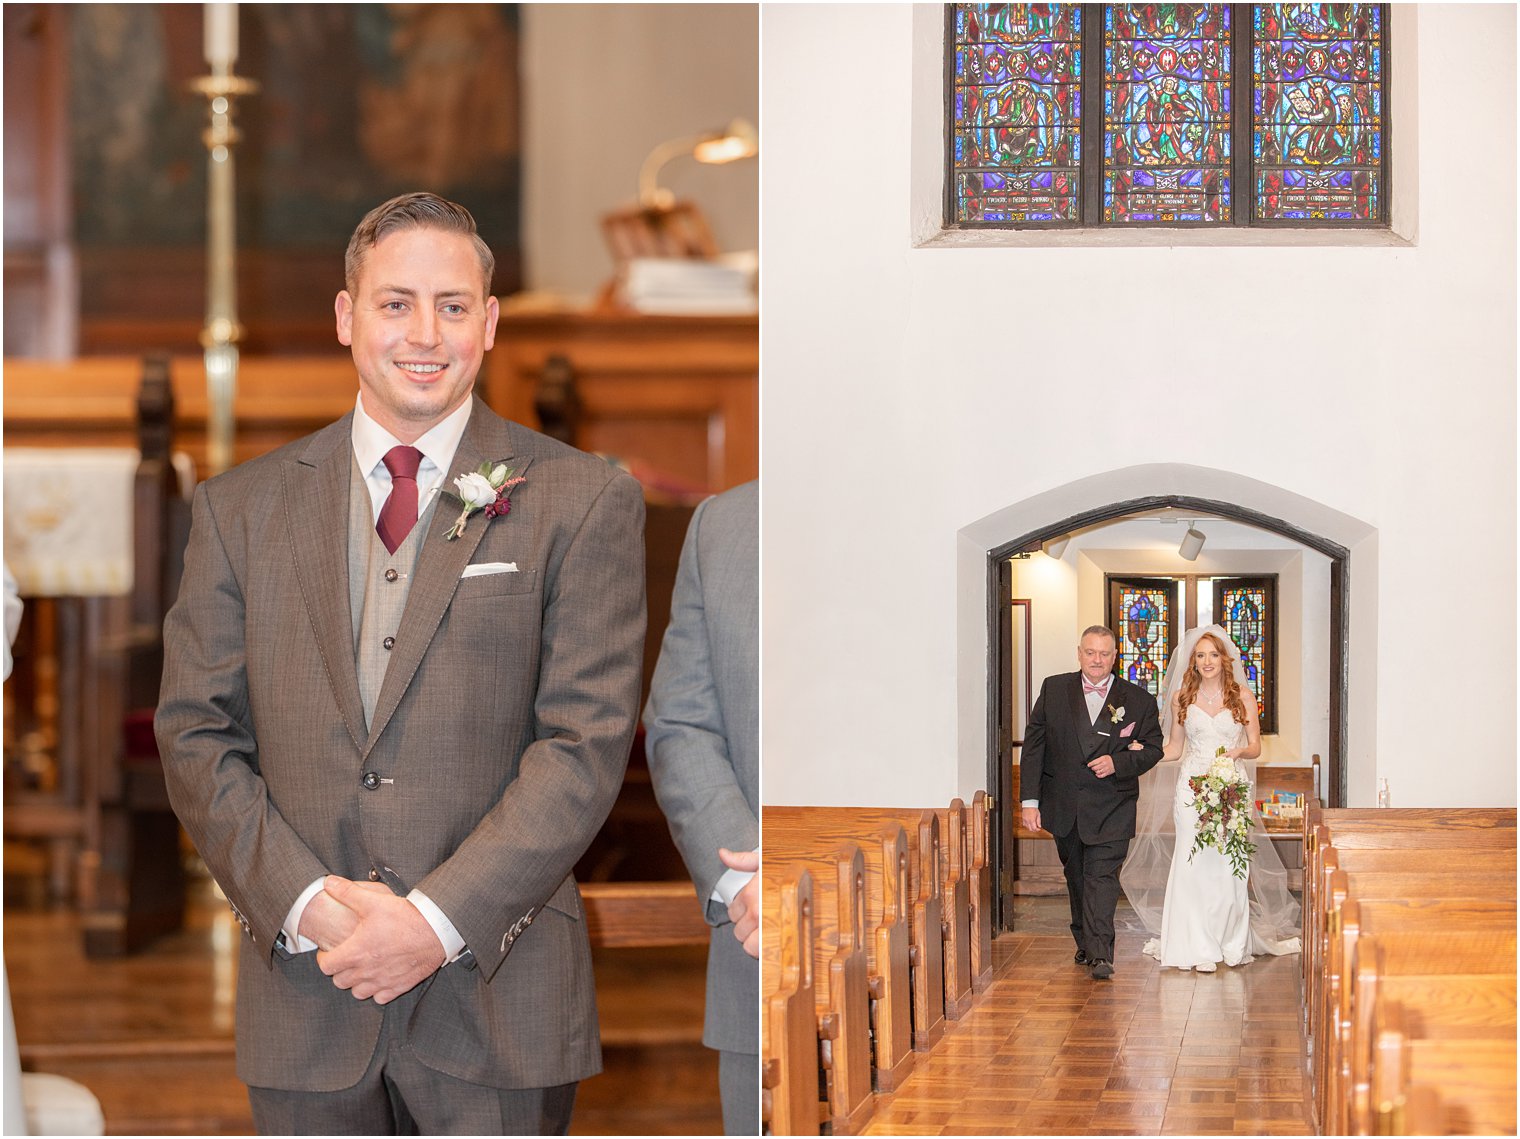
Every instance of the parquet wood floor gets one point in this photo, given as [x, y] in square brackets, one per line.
[1049, 1051]
[151, 1035]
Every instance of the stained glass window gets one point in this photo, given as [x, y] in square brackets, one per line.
[1246, 607]
[1064, 115]
[1318, 112]
[1142, 612]
[1016, 108]
[1166, 112]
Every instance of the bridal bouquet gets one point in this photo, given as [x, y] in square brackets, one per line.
[1224, 813]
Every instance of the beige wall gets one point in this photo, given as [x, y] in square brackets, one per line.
[603, 84]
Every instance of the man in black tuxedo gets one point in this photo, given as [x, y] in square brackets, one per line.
[1080, 774]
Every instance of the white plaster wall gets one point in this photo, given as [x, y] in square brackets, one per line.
[911, 396]
[603, 84]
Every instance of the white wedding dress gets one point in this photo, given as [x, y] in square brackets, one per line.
[1206, 917]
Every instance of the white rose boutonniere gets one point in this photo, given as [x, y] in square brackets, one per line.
[1117, 714]
[484, 489]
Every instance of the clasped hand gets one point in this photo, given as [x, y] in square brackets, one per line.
[369, 941]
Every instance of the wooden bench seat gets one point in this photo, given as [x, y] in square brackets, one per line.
[887, 923]
[1416, 966]
[840, 971]
[926, 914]
[788, 1023]
[1475, 1074]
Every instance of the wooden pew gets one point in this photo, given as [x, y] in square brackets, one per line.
[1475, 1075]
[840, 975]
[1337, 940]
[981, 878]
[792, 834]
[1399, 958]
[789, 1028]
[955, 878]
[1364, 828]
[926, 910]
[1369, 885]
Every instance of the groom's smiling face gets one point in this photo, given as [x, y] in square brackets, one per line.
[1095, 655]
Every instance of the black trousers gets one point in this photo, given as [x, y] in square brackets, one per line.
[1092, 885]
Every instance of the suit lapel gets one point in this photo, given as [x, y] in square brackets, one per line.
[440, 562]
[316, 489]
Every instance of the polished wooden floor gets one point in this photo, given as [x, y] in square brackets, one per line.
[1049, 1051]
[151, 1035]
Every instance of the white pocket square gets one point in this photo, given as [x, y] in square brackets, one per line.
[483, 568]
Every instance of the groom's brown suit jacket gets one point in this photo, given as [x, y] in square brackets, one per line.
[497, 747]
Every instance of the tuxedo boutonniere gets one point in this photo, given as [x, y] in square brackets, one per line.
[484, 489]
[1116, 714]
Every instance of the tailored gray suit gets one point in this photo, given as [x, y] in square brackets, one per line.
[494, 752]
[703, 742]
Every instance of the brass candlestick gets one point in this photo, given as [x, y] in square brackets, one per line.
[222, 331]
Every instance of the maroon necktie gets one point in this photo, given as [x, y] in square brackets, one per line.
[399, 514]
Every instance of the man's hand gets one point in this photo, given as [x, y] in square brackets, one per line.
[744, 910]
[1032, 819]
[328, 921]
[1102, 767]
[391, 949]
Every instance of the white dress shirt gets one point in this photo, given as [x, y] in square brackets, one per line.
[370, 443]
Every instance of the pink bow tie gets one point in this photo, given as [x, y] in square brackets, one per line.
[1098, 688]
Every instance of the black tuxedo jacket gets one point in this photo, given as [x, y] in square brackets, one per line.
[1060, 742]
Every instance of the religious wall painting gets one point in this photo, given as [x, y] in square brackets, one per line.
[356, 103]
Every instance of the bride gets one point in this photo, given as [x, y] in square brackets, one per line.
[1206, 914]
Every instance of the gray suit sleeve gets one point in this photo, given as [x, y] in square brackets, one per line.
[686, 736]
[210, 756]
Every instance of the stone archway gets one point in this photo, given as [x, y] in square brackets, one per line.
[1113, 495]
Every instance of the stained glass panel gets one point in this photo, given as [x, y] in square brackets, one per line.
[1243, 611]
[1145, 635]
[1317, 138]
[1016, 108]
[1166, 113]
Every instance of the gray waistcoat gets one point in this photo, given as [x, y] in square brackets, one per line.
[378, 585]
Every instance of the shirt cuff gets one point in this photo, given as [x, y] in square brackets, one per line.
[293, 939]
[1030, 803]
[727, 888]
[453, 944]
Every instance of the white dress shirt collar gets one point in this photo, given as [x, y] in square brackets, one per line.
[437, 444]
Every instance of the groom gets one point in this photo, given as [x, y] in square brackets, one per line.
[1082, 780]
[392, 725]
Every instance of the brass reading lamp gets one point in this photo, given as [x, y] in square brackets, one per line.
[661, 226]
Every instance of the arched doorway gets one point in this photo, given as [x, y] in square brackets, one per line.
[1102, 499]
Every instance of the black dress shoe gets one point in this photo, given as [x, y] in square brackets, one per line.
[1082, 958]
[1102, 970]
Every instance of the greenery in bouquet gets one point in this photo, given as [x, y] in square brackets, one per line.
[1223, 802]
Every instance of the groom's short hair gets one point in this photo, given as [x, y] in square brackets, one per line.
[1098, 631]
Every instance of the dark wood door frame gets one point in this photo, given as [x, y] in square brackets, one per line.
[999, 613]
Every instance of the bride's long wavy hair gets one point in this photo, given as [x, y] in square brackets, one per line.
[1191, 681]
